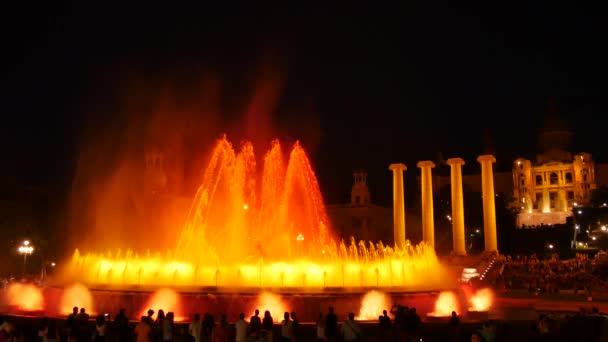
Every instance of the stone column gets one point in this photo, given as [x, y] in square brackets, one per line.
[398, 204]
[489, 206]
[458, 238]
[562, 201]
[546, 201]
[426, 185]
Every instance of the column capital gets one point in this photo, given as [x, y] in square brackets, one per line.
[397, 167]
[455, 161]
[425, 163]
[486, 158]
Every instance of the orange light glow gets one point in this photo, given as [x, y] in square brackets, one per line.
[372, 305]
[166, 300]
[445, 304]
[26, 297]
[482, 300]
[282, 238]
[76, 295]
[271, 302]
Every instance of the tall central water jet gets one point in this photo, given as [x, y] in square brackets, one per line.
[228, 221]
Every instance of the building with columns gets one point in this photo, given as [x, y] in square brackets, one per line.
[545, 190]
[361, 218]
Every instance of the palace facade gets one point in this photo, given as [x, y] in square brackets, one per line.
[546, 192]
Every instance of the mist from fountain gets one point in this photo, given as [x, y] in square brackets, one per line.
[26, 297]
[245, 231]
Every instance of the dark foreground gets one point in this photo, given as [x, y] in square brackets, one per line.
[562, 328]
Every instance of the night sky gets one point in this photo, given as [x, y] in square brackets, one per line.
[361, 87]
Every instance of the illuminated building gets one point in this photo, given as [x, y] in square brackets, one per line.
[360, 217]
[546, 190]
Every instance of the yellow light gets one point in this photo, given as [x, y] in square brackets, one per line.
[245, 207]
[26, 243]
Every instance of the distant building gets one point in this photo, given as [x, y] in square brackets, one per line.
[545, 190]
[360, 218]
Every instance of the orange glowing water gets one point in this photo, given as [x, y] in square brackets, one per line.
[166, 300]
[372, 305]
[445, 304]
[482, 300]
[26, 297]
[76, 295]
[270, 302]
[261, 232]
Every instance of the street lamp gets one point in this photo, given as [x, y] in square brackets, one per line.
[25, 249]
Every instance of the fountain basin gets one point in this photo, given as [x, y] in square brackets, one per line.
[308, 305]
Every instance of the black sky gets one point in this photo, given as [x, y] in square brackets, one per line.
[384, 84]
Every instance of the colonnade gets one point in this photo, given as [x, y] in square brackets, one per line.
[457, 217]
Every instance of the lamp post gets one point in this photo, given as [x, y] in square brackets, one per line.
[26, 249]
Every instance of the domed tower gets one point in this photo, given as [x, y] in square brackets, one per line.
[584, 177]
[554, 138]
[155, 176]
[523, 186]
[359, 194]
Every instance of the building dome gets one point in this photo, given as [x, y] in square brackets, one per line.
[554, 137]
[554, 132]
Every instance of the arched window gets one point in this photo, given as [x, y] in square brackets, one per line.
[584, 175]
[357, 199]
[553, 179]
[568, 177]
[539, 180]
[523, 182]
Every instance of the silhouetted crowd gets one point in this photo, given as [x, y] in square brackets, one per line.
[405, 325]
[547, 276]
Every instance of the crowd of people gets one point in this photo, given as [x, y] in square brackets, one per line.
[400, 324]
[79, 327]
[548, 276]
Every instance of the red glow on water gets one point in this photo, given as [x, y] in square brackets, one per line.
[481, 300]
[445, 304]
[166, 300]
[76, 296]
[26, 297]
[270, 302]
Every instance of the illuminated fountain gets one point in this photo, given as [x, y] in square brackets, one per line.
[372, 305]
[26, 298]
[445, 304]
[268, 232]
